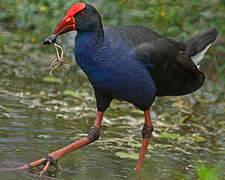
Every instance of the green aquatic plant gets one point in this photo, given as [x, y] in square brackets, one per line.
[205, 172]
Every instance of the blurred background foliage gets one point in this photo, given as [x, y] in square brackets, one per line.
[174, 18]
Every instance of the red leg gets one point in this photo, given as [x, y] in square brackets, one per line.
[56, 155]
[146, 133]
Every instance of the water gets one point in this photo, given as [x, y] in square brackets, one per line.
[37, 117]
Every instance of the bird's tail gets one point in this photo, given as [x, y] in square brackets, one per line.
[197, 46]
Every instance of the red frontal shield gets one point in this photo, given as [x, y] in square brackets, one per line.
[68, 23]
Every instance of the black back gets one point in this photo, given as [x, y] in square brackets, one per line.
[172, 69]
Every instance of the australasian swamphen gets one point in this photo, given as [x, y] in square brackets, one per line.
[130, 63]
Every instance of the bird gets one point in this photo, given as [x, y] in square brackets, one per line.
[130, 63]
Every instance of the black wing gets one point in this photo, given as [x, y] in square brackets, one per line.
[173, 71]
[136, 35]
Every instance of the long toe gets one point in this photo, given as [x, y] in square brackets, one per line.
[47, 162]
[44, 171]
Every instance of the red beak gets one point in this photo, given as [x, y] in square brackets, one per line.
[68, 22]
[65, 25]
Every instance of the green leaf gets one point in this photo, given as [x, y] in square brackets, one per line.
[172, 29]
[221, 48]
[207, 173]
[70, 93]
[138, 145]
[52, 79]
[197, 138]
[221, 68]
[74, 93]
[172, 136]
[221, 152]
[127, 155]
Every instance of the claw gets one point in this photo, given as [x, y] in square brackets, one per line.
[26, 166]
[59, 167]
[44, 171]
[47, 161]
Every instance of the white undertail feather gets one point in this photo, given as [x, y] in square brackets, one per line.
[198, 57]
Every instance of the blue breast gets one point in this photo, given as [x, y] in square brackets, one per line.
[114, 67]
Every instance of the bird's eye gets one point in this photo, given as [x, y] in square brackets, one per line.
[82, 13]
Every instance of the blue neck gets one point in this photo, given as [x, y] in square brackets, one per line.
[87, 44]
[89, 39]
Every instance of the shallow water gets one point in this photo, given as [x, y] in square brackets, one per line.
[37, 117]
